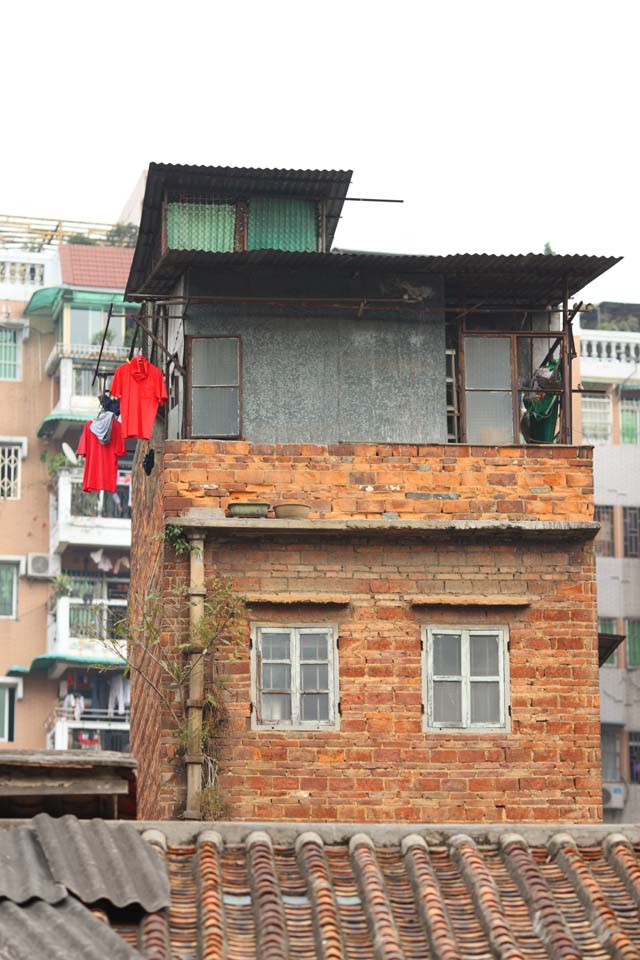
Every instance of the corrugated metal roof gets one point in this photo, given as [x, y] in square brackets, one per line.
[330, 185]
[529, 279]
[96, 860]
[39, 931]
[24, 872]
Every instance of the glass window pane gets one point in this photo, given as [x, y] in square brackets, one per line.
[485, 702]
[276, 676]
[315, 706]
[276, 706]
[447, 701]
[633, 643]
[314, 646]
[484, 652]
[215, 363]
[215, 412]
[276, 646]
[315, 676]
[7, 588]
[446, 655]
[629, 412]
[596, 418]
[4, 697]
[8, 354]
[610, 751]
[487, 363]
[489, 417]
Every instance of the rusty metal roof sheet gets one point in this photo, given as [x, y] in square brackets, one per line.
[531, 279]
[344, 892]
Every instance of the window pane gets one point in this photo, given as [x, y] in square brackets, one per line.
[4, 698]
[313, 646]
[8, 354]
[447, 701]
[487, 363]
[315, 676]
[596, 418]
[485, 702]
[446, 655]
[276, 676]
[7, 589]
[215, 363]
[484, 651]
[276, 646]
[610, 746]
[633, 643]
[604, 537]
[634, 756]
[315, 706]
[629, 413]
[276, 706]
[489, 417]
[608, 626]
[215, 412]
[631, 526]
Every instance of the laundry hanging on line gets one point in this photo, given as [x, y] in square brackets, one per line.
[140, 387]
[101, 459]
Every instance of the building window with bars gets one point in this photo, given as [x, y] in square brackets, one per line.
[10, 460]
[634, 756]
[465, 678]
[596, 418]
[294, 677]
[8, 590]
[10, 353]
[610, 752]
[604, 538]
[632, 630]
[629, 418]
[631, 528]
[607, 626]
[214, 395]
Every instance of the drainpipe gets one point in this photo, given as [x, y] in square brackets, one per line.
[195, 757]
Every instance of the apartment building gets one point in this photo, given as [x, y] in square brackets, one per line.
[609, 418]
[64, 554]
[420, 637]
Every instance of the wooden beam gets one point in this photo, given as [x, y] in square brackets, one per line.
[62, 786]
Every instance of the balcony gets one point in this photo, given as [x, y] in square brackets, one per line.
[610, 355]
[89, 519]
[83, 351]
[91, 730]
[75, 628]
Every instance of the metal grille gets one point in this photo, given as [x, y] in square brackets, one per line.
[633, 643]
[634, 756]
[276, 224]
[629, 416]
[201, 226]
[631, 525]
[604, 539]
[7, 589]
[596, 418]
[8, 354]
[9, 471]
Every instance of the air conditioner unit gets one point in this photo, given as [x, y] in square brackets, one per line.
[613, 795]
[42, 566]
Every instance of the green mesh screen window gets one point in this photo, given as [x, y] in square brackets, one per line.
[633, 643]
[608, 626]
[276, 224]
[201, 226]
[629, 414]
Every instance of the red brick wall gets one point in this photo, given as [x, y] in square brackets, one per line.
[367, 480]
[381, 765]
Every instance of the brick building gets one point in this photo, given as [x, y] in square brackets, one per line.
[422, 646]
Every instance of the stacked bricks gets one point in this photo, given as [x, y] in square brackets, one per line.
[382, 765]
[373, 481]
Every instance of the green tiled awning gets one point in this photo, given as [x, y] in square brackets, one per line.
[51, 421]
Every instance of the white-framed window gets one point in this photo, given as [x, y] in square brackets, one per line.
[596, 418]
[630, 420]
[10, 460]
[294, 677]
[11, 353]
[11, 689]
[8, 589]
[466, 678]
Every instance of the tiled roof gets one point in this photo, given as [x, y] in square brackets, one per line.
[338, 892]
[106, 268]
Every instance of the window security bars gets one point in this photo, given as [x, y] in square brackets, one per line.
[610, 746]
[631, 527]
[604, 539]
[10, 458]
[596, 418]
[633, 642]
[8, 589]
[9, 342]
[466, 678]
[295, 677]
[634, 756]
[629, 421]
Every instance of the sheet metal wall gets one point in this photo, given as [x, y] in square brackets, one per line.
[320, 378]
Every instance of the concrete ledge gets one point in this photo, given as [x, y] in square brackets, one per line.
[464, 600]
[427, 529]
[324, 599]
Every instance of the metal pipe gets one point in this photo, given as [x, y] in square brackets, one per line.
[104, 337]
[195, 756]
[566, 367]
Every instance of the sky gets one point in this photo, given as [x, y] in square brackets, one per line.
[501, 125]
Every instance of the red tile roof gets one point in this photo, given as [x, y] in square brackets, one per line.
[333, 892]
[89, 266]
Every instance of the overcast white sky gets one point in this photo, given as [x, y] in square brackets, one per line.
[501, 124]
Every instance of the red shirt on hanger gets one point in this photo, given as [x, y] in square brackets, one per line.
[101, 463]
[140, 387]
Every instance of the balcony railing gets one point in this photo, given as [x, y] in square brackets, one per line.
[83, 351]
[609, 354]
[90, 519]
[80, 629]
[91, 715]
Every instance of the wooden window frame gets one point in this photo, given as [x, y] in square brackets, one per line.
[295, 723]
[188, 347]
[428, 677]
